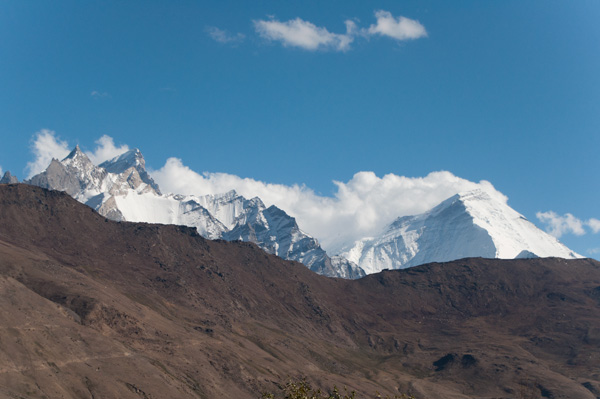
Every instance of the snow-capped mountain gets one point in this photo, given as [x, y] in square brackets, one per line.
[472, 224]
[122, 190]
[88, 183]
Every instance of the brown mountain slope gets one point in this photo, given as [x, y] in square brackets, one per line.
[93, 308]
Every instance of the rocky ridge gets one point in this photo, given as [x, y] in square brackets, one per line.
[94, 308]
[8, 178]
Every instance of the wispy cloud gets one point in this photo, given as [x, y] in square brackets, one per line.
[593, 251]
[306, 35]
[400, 28]
[99, 94]
[45, 146]
[558, 225]
[105, 150]
[223, 36]
[594, 224]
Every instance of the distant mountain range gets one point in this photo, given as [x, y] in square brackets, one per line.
[471, 224]
[121, 189]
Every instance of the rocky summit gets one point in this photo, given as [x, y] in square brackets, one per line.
[8, 178]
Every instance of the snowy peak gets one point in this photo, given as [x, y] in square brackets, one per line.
[79, 177]
[471, 224]
[231, 208]
[130, 159]
[76, 154]
[131, 168]
[78, 161]
[510, 231]
[75, 174]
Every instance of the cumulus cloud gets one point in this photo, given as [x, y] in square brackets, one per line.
[557, 225]
[45, 146]
[360, 207]
[223, 36]
[400, 28]
[105, 150]
[594, 224]
[306, 35]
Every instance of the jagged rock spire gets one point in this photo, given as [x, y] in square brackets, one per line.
[8, 178]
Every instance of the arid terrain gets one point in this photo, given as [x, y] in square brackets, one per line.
[91, 308]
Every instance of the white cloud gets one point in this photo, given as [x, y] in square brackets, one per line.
[1, 174]
[557, 225]
[594, 224]
[360, 207]
[45, 146]
[105, 150]
[97, 94]
[400, 28]
[593, 251]
[223, 36]
[306, 35]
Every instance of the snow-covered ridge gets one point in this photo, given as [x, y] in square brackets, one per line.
[122, 190]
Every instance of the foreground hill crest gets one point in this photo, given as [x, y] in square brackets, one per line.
[95, 308]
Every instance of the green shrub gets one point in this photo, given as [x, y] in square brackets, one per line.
[303, 390]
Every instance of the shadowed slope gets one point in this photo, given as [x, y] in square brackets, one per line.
[96, 308]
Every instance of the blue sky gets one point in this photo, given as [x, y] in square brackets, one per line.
[293, 93]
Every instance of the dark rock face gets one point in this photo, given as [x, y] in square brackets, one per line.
[8, 178]
[96, 308]
[59, 177]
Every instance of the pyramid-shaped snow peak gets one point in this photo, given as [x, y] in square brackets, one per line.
[470, 224]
